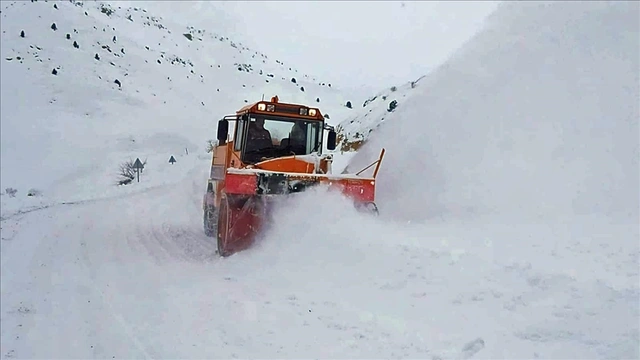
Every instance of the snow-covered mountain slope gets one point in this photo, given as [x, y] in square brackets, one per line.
[128, 83]
[133, 276]
[536, 117]
[356, 128]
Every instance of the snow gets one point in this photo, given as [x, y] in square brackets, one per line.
[313, 158]
[372, 113]
[328, 176]
[83, 126]
[508, 199]
[534, 124]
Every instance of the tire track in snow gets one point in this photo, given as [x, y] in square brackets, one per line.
[103, 241]
[56, 268]
[128, 330]
[133, 242]
[89, 264]
[170, 228]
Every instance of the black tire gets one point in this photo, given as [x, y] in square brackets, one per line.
[368, 208]
[210, 221]
[222, 223]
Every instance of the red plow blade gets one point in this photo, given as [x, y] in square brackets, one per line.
[242, 215]
[247, 193]
[239, 221]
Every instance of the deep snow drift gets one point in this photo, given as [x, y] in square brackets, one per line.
[535, 118]
[133, 276]
[528, 138]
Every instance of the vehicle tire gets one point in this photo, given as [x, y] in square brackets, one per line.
[368, 208]
[210, 221]
[223, 219]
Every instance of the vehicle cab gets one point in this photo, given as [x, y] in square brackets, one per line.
[268, 130]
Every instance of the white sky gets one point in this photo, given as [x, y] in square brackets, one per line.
[358, 43]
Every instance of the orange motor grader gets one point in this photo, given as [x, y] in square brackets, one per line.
[276, 149]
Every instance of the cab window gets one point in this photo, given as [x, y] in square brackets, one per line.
[238, 139]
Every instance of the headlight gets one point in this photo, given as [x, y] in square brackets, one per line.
[312, 112]
[303, 111]
[262, 107]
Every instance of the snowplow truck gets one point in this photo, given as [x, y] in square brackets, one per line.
[275, 150]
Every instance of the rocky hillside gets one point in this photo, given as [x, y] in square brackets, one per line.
[98, 83]
[367, 117]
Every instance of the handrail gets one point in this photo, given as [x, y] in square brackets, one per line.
[230, 117]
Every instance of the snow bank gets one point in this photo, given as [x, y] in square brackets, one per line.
[536, 117]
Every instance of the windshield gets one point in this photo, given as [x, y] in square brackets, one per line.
[275, 137]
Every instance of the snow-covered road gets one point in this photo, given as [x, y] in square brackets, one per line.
[135, 277]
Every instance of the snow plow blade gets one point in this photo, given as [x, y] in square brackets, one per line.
[250, 193]
[261, 182]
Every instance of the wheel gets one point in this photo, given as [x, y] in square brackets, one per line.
[368, 208]
[210, 221]
[223, 226]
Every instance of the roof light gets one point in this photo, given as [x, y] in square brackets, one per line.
[271, 107]
[262, 107]
[303, 111]
[312, 112]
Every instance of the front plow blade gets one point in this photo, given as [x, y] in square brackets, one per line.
[239, 221]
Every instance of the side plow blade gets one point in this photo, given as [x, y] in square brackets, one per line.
[239, 221]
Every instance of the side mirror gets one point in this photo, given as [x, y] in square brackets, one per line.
[223, 130]
[331, 140]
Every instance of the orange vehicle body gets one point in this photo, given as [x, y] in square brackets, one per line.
[239, 191]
